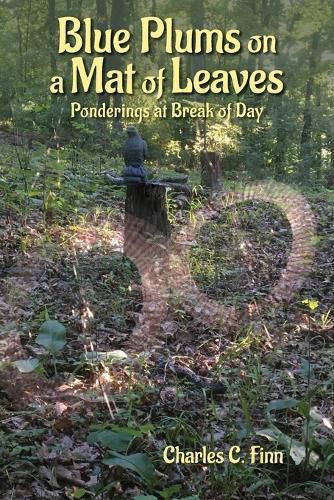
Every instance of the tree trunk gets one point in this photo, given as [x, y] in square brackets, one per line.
[330, 178]
[134, 20]
[19, 33]
[306, 147]
[27, 40]
[104, 98]
[78, 8]
[279, 148]
[153, 51]
[210, 169]
[194, 63]
[117, 123]
[197, 61]
[119, 15]
[317, 135]
[52, 35]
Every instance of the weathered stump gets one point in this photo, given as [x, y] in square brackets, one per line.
[210, 169]
[147, 202]
[147, 233]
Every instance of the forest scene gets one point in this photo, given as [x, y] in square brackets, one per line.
[192, 312]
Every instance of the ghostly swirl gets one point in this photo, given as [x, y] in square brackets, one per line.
[297, 211]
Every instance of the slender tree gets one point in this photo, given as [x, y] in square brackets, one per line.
[104, 98]
[120, 13]
[306, 149]
[52, 35]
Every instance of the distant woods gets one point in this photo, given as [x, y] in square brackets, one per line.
[295, 137]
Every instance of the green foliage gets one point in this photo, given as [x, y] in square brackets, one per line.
[307, 450]
[138, 463]
[52, 336]
[117, 441]
[79, 493]
[311, 450]
[311, 303]
[27, 365]
[145, 497]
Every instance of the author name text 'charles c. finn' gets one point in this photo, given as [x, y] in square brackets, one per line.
[234, 455]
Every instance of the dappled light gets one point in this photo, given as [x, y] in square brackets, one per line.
[166, 258]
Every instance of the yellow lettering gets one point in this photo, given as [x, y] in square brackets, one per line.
[233, 45]
[148, 24]
[65, 46]
[168, 449]
[57, 85]
[276, 86]
[176, 62]
[200, 79]
[257, 78]
[79, 69]
[233, 454]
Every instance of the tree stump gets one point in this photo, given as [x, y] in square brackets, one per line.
[147, 234]
[210, 169]
[147, 202]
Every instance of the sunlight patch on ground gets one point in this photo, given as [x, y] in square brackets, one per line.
[84, 238]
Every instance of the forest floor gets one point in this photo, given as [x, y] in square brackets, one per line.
[80, 418]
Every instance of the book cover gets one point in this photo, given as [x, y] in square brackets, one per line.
[166, 251]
